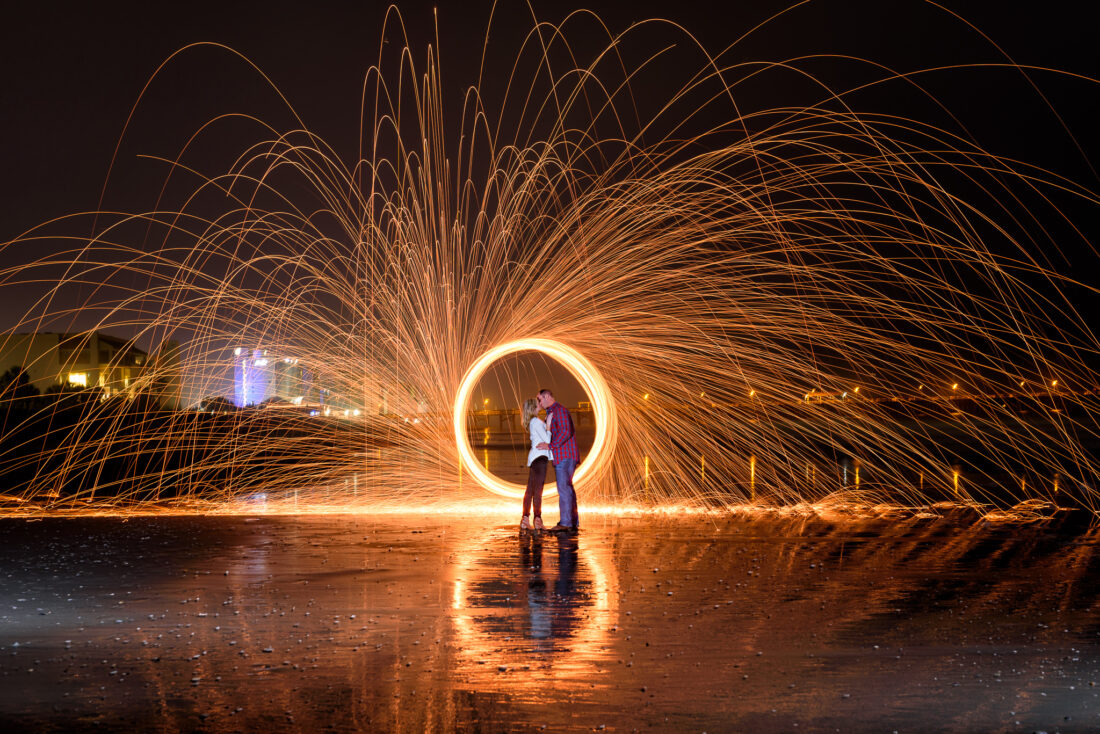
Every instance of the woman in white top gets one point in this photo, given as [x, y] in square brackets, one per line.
[537, 459]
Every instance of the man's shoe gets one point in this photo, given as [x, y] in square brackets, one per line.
[559, 528]
[539, 527]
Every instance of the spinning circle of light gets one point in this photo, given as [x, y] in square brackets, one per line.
[603, 408]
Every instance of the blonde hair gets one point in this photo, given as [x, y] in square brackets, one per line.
[530, 410]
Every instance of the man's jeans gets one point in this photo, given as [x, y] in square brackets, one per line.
[567, 496]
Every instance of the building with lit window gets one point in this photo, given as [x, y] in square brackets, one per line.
[95, 360]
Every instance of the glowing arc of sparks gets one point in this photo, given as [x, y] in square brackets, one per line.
[603, 409]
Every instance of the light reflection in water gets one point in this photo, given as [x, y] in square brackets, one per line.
[752, 477]
[939, 596]
[550, 607]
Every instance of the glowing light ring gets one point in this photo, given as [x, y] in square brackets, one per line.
[603, 409]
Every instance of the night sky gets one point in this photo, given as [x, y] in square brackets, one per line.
[72, 72]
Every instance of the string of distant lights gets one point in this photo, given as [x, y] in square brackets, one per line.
[722, 281]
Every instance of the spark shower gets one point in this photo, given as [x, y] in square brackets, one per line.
[747, 291]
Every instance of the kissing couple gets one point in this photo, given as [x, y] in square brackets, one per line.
[552, 441]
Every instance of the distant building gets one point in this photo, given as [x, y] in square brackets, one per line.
[260, 377]
[89, 359]
[97, 361]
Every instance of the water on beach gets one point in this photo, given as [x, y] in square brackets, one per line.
[758, 622]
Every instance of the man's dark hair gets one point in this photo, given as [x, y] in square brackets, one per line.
[546, 393]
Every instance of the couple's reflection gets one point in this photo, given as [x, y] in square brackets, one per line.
[535, 603]
[551, 607]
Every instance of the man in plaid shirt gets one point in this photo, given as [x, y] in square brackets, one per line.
[563, 445]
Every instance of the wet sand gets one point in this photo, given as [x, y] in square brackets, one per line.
[441, 623]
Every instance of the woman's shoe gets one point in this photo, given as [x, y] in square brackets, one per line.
[539, 527]
[524, 525]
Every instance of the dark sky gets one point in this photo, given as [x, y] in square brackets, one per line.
[72, 71]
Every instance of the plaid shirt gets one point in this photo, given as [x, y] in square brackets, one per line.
[563, 440]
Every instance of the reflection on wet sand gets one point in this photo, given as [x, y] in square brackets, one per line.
[437, 622]
[548, 613]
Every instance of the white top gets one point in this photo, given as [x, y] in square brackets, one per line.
[539, 434]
